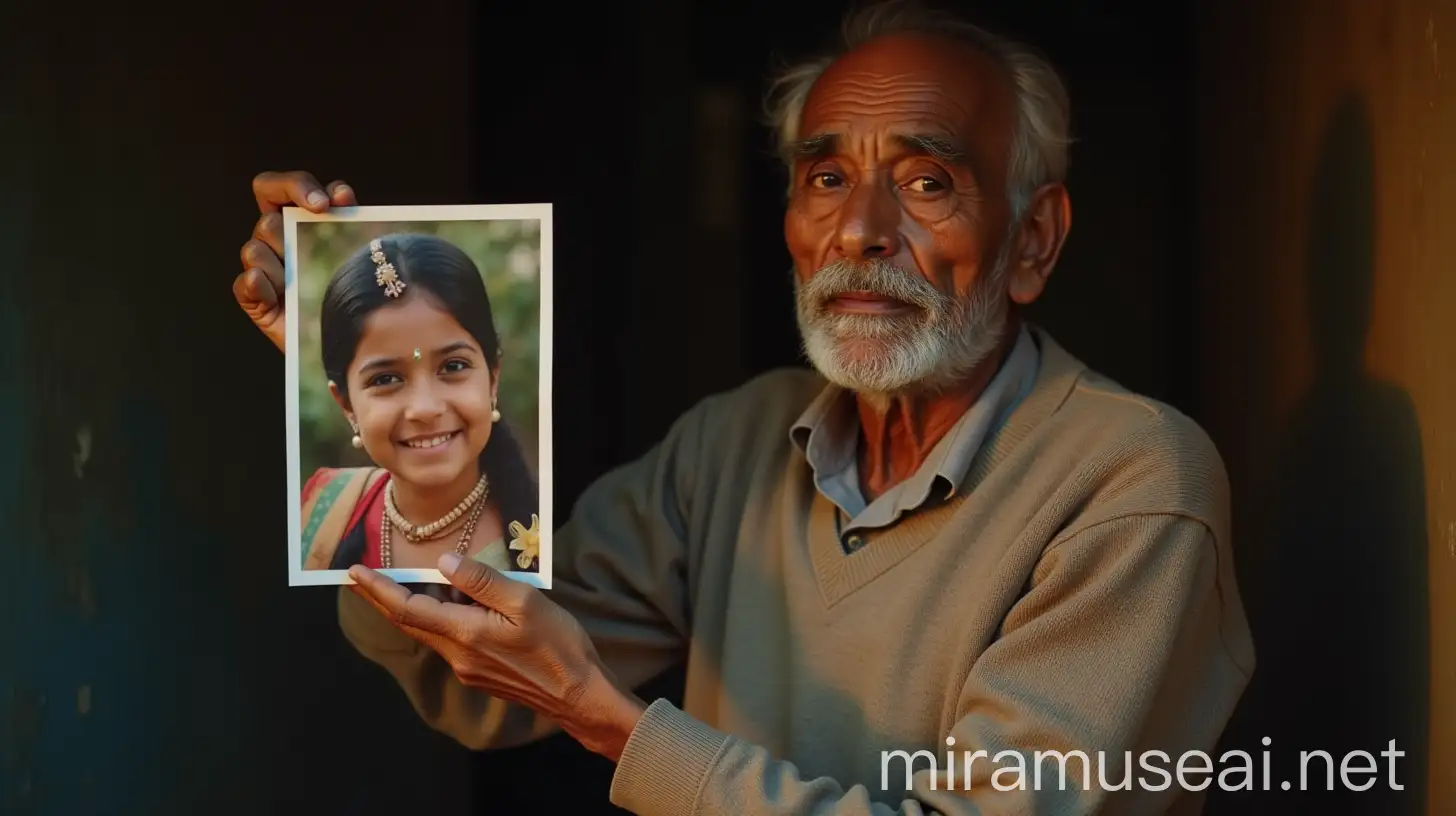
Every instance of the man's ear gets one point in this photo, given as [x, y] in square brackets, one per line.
[1039, 242]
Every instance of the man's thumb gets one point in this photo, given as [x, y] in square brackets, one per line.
[480, 581]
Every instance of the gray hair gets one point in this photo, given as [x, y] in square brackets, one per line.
[1043, 118]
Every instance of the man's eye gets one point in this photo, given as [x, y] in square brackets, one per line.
[825, 180]
[926, 184]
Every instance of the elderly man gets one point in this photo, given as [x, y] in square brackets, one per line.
[952, 538]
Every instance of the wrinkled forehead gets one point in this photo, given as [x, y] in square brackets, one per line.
[915, 84]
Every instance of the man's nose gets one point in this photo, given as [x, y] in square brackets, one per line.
[869, 224]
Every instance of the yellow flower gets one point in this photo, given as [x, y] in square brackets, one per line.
[528, 541]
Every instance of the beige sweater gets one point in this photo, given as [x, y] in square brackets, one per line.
[1076, 594]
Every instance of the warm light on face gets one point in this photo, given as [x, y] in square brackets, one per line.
[935, 341]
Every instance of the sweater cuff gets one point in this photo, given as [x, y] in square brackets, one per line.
[368, 630]
[666, 761]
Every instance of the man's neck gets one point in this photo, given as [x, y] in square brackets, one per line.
[898, 435]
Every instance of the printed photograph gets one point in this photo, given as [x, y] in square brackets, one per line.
[418, 383]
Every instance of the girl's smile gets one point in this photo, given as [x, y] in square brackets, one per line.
[430, 443]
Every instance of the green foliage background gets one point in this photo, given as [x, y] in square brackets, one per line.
[508, 256]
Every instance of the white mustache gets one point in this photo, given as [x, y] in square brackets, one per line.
[879, 276]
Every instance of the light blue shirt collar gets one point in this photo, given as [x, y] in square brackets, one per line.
[828, 436]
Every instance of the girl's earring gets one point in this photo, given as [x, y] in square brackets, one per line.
[357, 441]
[494, 413]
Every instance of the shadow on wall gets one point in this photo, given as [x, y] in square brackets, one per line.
[1340, 613]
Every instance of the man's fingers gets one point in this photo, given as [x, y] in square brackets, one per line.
[262, 305]
[259, 288]
[255, 293]
[392, 598]
[269, 230]
[439, 644]
[485, 584]
[405, 608]
[446, 593]
[358, 589]
[341, 194]
[270, 225]
[277, 190]
[258, 255]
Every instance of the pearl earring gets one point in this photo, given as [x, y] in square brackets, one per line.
[357, 441]
[494, 415]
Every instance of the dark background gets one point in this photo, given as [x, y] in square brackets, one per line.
[162, 664]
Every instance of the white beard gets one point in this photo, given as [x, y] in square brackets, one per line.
[925, 352]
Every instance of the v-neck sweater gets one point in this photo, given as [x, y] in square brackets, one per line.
[1075, 593]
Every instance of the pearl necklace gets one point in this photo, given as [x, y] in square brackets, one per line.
[386, 558]
[428, 532]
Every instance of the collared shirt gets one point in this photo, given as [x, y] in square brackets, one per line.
[828, 435]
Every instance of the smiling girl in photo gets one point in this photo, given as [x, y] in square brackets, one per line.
[412, 355]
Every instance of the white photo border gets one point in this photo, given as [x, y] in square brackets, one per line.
[292, 217]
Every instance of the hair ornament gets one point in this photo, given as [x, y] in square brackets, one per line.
[385, 274]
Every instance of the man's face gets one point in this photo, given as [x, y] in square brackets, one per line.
[898, 220]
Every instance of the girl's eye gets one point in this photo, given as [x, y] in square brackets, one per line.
[379, 380]
[454, 366]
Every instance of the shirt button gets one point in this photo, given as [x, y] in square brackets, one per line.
[854, 543]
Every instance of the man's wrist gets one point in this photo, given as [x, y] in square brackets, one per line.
[607, 716]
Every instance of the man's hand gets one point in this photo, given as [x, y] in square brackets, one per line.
[259, 288]
[516, 645]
